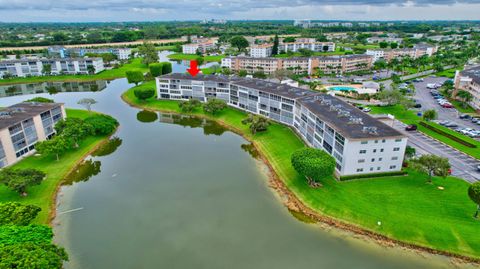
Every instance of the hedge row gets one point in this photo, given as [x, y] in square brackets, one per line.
[373, 175]
[452, 137]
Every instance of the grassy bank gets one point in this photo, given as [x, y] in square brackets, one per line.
[409, 209]
[105, 75]
[207, 58]
[43, 194]
[409, 117]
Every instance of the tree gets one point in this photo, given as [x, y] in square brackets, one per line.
[20, 179]
[474, 194]
[101, 124]
[391, 97]
[465, 96]
[305, 52]
[156, 69]
[57, 145]
[383, 44]
[313, 163]
[281, 74]
[144, 93]
[189, 106]
[31, 255]
[259, 74]
[166, 68]
[410, 152]
[275, 45]
[148, 52]
[39, 100]
[91, 69]
[108, 57]
[380, 64]
[14, 213]
[431, 165]
[393, 45]
[134, 76]
[73, 129]
[242, 73]
[213, 106]
[239, 42]
[46, 69]
[438, 67]
[257, 123]
[87, 103]
[429, 114]
[200, 60]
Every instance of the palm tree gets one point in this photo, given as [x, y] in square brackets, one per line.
[466, 97]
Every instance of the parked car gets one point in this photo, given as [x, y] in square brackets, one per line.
[451, 125]
[411, 127]
[417, 105]
[367, 109]
[478, 168]
[474, 120]
[431, 86]
[465, 117]
[443, 122]
[447, 105]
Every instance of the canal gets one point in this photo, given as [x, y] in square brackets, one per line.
[171, 191]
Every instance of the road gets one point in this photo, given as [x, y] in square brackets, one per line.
[463, 166]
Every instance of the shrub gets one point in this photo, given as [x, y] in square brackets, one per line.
[314, 164]
[156, 69]
[13, 213]
[373, 175]
[166, 68]
[144, 93]
[39, 100]
[134, 76]
[102, 124]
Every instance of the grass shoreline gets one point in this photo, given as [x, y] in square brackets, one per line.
[315, 203]
[44, 195]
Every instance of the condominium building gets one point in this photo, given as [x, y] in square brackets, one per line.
[23, 125]
[35, 67]
[417, 51]
[359, 143]
[198, 46]
[306, 43]
[261, 51]
[63, 52]
[469, 80]
[310, 65]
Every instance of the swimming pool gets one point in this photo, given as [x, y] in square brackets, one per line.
[342, 88]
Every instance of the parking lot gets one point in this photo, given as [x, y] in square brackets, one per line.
[463, 166]
[450, 115]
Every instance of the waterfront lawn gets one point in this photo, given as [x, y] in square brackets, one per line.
[207, 58]
[43, 194]
[135, 64]
[409, 117]
[408, 208]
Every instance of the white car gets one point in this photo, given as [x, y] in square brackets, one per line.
[367, 109]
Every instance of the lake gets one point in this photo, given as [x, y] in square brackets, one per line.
[172, 191]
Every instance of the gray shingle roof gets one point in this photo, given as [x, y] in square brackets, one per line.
[23, 111]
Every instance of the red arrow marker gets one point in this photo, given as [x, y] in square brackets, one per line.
[193, 70]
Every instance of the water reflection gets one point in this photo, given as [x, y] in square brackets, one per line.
[108, 148]
[52, 87]
[209, 127]
[147, 116]
[250, 149]
[84, 172]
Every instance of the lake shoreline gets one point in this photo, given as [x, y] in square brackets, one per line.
[295, 204]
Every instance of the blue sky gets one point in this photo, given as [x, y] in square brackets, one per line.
[160, 10]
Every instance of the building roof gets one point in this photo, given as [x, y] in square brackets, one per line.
[23, 111]
[473, 73]
[283, 90]
[348, 120]
[199, 77]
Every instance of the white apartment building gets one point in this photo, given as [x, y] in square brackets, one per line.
[200, 46]
[23, 125]
[469, 80]
[417, 51]
[359, 143]
[306, 44]
[261, 51]
[34, 67]
[63, 52]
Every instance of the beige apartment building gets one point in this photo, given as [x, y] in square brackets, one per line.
[469, 80]
[23, 125]
[310, 65]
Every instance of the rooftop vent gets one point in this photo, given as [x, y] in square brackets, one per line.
[326, 102]
[17, 109]
[370, 130]
[5, 115]
[343, 113]
[355, 120]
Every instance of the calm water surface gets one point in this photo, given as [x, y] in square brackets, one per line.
[178, 192]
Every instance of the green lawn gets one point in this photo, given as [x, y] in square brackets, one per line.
[409, 117]
[43, 194]
[207, 58]
[358, 46]
[408, 209]
[449, 73]
[106, 75]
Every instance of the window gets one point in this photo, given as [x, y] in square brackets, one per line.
[375, 150]
[362, 151]
[383, 140]
[378, 168]
[398, 140]
[373, 159]
[380, 159]
[381, 150]
[371, 168]
[361, 160]
[396, 149]
[394, 158]
[376, 141]
[359, 169]
[393, 166]
[364, 142]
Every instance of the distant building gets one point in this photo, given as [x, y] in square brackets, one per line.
[34, 67]
[63, 52]
[306, 43]
[417, 51]
[23, 125]
[376, 39]
[261, 51]
[199, 45]
[469, 80]
[303, 23]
